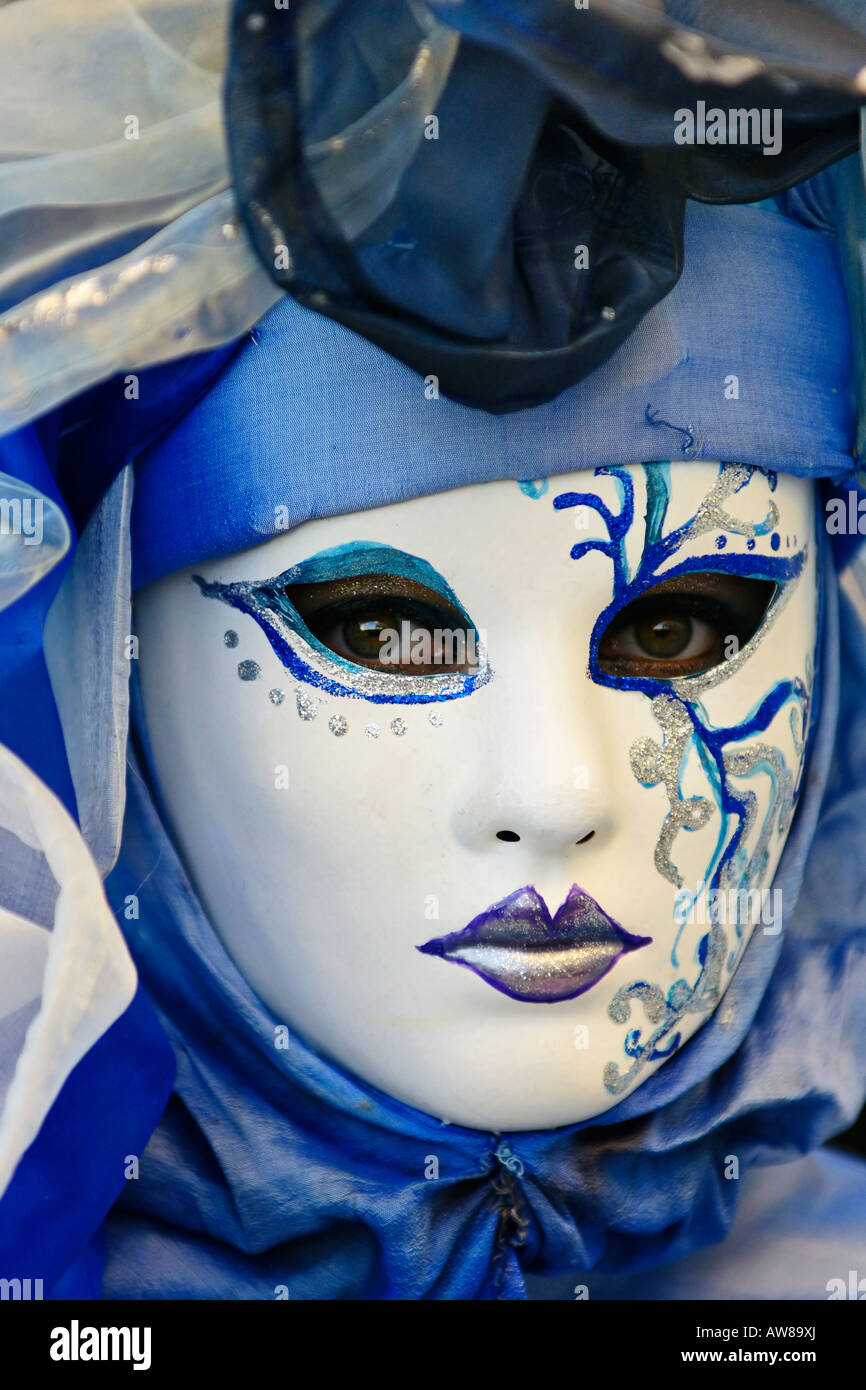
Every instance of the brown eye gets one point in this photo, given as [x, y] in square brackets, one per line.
[666, 636]
[684, 626]
[389, 623]
[364, 636]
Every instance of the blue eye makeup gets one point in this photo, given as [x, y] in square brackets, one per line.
[684, 626]
[367, 621]
[691, 629]
[731, 595]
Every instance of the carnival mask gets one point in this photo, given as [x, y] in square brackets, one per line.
[484, 792]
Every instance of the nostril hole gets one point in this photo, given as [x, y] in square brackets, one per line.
[585, 838]
[507, 835]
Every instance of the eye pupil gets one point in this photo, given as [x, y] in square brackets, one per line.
[666, 636]
[364, 636]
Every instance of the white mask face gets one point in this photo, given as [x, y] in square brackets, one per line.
[484, 886]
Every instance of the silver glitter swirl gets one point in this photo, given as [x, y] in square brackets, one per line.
[653, 763]
[739, 763]
[663, 1012]
[712, 516]
[796, 725]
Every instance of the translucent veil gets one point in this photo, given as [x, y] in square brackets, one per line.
[119, 244]
[119, 248]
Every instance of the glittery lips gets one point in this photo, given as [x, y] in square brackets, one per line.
[519, 949]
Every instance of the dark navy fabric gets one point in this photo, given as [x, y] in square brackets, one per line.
[568, 110]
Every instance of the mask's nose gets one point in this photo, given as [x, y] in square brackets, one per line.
[541, 777]
[512, 836]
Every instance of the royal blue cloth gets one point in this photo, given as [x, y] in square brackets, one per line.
[103, 1116]
[68, 1178]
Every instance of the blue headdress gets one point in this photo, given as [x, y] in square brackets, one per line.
[273, 1168]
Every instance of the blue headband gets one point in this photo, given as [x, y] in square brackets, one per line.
[747, 359]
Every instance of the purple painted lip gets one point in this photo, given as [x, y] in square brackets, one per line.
[518, 948]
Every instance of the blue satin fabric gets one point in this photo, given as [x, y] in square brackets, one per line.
[52, 1210]
[70, 1175]
[312, 419]
[798, 1234]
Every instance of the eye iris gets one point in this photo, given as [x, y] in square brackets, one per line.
[364, 636]
[666, 636]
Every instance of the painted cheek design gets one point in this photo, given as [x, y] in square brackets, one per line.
[309, 661]
[686, 729]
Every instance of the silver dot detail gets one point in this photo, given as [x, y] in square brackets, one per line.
[372, 731]
[338, 725]
[231, 638]
[249, 670]
[306, 706]
[436, 719]
[398, 726]
[276, 697]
